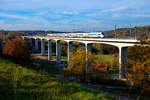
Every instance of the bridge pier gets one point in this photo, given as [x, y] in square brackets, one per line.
[122, 61]
[69, 50]
[49, 50]
[31, 44]
[58, 53]
[122, 44]
[88, 49]
[36, 45]
[42, 47]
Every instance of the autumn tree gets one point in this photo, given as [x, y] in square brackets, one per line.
[2, 36]
[16, 49]
[97, 48]
[2, 39]
[109, 49]
[2, 33]
[139, 67]
[13, 35]
[77, 45]
[0, 46]
[63, 48]
[79, 65]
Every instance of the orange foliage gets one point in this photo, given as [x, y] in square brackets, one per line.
[139, 66]
[17, 49]
[100, 67]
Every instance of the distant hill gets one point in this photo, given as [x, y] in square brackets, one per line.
[33, 32]
[120, 32]
[128, 32]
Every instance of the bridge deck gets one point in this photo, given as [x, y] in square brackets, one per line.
[89, 39]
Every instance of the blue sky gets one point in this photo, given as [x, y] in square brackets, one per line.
[73, 15]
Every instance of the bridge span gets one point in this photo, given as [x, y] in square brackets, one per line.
[122, 45]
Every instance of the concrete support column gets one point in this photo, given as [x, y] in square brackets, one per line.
[23, 38]
[36, 45]
[122, 61]
[87, 68]
[69, 50]
[42, 47]
[58, 53]
[49, 50]
[88, 49]
[31, 44]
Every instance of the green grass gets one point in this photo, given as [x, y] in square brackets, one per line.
[20, 83]
[107, 58]
[63, 58]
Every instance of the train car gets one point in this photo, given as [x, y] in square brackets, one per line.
[78, 35]
[96, 35]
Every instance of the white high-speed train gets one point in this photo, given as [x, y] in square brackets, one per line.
[78, 35]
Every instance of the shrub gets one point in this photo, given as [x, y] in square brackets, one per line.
[16, 49]
[100, 67]
[13, 35]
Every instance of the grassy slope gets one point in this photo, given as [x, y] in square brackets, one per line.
[107, 58]
[19, 83]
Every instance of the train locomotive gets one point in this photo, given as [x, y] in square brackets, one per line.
[78, 35]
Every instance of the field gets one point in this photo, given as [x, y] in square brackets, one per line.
[104, 58]
[107, 58]
[63, 58]
[24, 83]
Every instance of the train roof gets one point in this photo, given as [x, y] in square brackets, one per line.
[77, 33]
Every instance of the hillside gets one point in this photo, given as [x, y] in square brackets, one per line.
[128, 32]
[120, 32]
[20, 83]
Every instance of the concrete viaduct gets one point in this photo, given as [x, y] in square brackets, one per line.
[122, 45]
